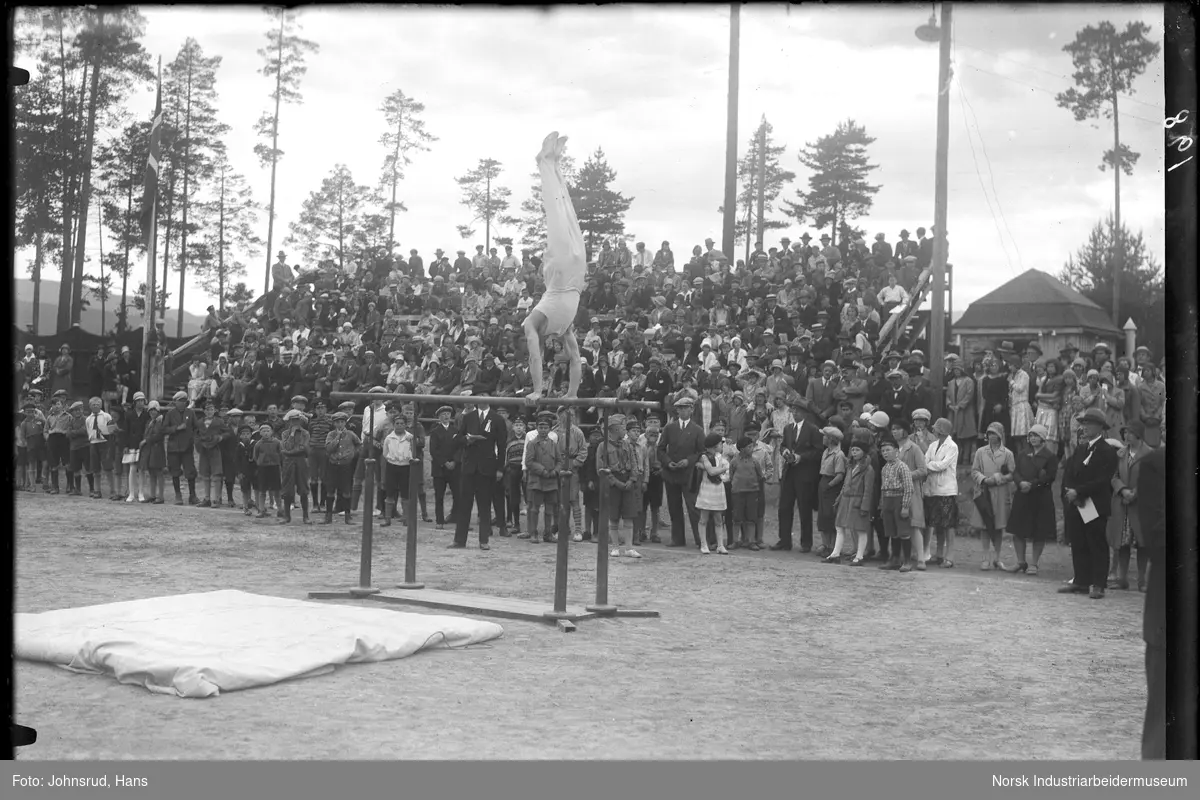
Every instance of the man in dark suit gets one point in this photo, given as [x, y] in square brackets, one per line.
[481, 436]
[801, 449]
[605, 377]
[919, 393]
[443, 463]
[1088, 477]
[895, 396]
[1152, 514]
[679, 448]
[284, 377]
[268, 367]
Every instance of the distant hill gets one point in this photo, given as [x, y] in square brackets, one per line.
[89, 320]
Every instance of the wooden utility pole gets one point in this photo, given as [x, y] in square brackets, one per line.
[727, 235]
[937, 314]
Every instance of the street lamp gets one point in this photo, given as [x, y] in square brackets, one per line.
[932, 32]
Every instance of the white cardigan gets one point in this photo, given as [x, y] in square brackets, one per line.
[941, 459]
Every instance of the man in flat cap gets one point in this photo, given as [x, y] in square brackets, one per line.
[443, 463]
[679, 448]
[564, 271]
[179, 425]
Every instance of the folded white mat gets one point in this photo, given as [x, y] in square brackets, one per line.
[199, 645]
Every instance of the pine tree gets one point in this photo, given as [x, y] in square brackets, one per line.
[485, 199]
[285, 56]
[838, 188]
[533, 213]
[232, 238]
[114, 63]
[774, 179]
[38, 162]
[191, 79]
[121, 163]
[332, 219]
[600, 209]
[406, 133]
[1143, 294]
[1106, 62]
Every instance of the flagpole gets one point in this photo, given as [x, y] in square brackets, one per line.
[151, 244]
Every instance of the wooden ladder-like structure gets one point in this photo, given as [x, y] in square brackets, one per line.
[897, 324]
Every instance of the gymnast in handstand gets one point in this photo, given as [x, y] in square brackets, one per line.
[564, 270]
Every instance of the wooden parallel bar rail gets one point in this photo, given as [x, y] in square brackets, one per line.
[462, 400]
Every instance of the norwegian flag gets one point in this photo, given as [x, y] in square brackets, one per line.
[150, 197]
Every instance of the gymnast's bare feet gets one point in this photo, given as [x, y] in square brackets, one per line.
[533, 398]
[549, 148]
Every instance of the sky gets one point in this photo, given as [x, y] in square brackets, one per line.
[648, 84]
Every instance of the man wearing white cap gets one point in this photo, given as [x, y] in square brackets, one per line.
[178, 426]
[564, 271]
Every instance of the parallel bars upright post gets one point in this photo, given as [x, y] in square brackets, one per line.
[604, 404]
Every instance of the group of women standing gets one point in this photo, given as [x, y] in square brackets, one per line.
[1019, 392]
[1014, 421]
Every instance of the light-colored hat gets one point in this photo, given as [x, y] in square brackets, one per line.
[1039, 431]
[880, 420]
[998, 429]
[293, 414]
[153, 405]
[833, 432]
[685, 401]
[180, 396]
[922, 413]
[138, 396]
[942, 427]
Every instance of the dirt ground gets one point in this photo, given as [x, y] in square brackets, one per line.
[755, 656]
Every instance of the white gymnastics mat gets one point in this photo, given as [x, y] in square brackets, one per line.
[199, 645]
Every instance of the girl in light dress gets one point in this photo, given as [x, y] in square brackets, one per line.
[1049, 402]
[854, 502]
[993, 471]
[710, 501]
[198, 383]
[1020, 413]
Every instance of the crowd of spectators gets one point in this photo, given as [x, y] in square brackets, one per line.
[802, 332]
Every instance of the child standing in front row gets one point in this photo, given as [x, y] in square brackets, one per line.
[710, 501]
[746, 481]
[854, 503]
[590, 481]
[22, 455]
[244, 459]
[268, 458]
[833, 474]
[764, 455]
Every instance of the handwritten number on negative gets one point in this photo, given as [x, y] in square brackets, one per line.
[1182, 143]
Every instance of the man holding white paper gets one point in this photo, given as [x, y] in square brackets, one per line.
[1087, 504]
